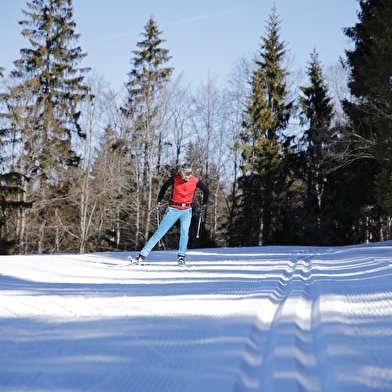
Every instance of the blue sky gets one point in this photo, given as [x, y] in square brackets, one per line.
[205, 37]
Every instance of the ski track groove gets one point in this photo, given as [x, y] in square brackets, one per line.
[258, 366]
[264, 366]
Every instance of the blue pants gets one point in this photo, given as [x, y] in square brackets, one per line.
[172, 215]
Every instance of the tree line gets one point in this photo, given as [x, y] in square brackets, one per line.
[288, 159]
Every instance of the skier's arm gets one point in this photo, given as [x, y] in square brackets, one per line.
[164, 188]
[203, 187]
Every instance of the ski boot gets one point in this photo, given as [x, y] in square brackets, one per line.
[136, 260]
[181, 260]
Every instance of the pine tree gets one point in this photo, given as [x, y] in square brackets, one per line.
[263, 143]
[316, 115]
[47, 72]
[143, 111]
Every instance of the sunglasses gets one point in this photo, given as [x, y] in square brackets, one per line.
[187, 173]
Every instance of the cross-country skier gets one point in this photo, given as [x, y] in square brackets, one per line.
[183, 185]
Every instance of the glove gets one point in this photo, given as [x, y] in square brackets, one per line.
[202, 212]
[157, 205]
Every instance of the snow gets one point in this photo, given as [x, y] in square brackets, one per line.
[278, 318]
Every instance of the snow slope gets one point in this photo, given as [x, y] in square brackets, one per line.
[243, 319]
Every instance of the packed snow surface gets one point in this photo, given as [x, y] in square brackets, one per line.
[240, 319]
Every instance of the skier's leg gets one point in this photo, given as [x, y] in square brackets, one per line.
[168, 220]
[185, 222]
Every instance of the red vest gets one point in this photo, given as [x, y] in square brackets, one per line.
[183, 191]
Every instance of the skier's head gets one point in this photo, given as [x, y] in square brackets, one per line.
[186, 171]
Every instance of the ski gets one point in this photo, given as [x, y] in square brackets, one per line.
[129, 265]
[147, 264]
[143, 265]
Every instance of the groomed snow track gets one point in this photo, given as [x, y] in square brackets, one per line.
[249, 319]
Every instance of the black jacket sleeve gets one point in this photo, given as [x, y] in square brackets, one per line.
[164, 188]
[203, 187]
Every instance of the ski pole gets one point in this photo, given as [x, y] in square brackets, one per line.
[201, 218]
[157, 216]
[158, 223]
[198, 227]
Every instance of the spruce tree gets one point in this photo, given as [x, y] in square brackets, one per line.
[263, 143]
[46, 71]
[147, 78]
[57, 86]
[369, 65]
[316, 115]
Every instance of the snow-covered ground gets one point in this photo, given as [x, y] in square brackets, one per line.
[244, 319]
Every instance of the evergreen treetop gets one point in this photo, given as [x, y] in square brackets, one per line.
[47, 71]
[147, 75]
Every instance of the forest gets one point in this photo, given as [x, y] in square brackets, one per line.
[288, 159]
